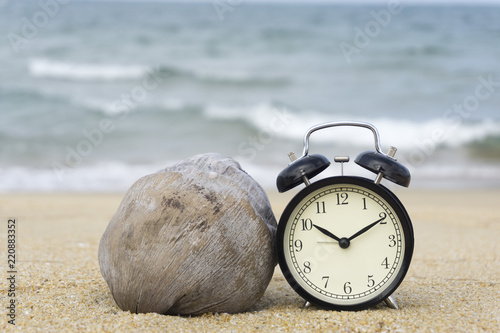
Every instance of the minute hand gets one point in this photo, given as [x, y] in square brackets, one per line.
[365, 229]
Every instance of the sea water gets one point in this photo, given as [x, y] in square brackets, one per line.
[95, 94]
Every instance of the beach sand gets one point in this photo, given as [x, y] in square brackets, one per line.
[453, 284]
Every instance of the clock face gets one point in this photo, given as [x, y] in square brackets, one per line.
[345, 243]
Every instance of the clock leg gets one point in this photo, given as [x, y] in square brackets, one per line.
[391, 302]
[307, 304]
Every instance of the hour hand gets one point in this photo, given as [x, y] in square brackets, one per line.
[326, 232]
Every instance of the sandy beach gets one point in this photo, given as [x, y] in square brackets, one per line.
[453, 284]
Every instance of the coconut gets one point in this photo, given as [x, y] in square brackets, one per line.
[193, 238]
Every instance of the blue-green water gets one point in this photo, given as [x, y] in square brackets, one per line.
[94, 95]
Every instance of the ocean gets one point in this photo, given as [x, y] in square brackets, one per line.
[96, 94]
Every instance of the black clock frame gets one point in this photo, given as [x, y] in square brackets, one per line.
[391, 199]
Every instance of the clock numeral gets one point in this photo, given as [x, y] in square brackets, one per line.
[320, 206]
[385, 263]
[371, 281]
[364, 203]
[392, 239]
[326, 279]
[298, 245]
[307, 224]
[347, 288]
[307, 267]
[342, 198]
[383, 216]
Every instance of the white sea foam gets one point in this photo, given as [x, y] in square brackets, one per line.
[103, 177]
[118, 177]
[257, 115]
[403, 133]
[291, 125]
[114, 107]
[44, 68]
[237, 77]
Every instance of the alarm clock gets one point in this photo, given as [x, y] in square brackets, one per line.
[344, 242]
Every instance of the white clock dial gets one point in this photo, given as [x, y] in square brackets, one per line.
[344, 244]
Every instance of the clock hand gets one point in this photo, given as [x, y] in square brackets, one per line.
[326, 232]
[365, 229]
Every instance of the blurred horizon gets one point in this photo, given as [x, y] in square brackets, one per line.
[95, 94]
[313, 2]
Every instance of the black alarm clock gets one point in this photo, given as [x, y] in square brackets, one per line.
[344, 242]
